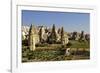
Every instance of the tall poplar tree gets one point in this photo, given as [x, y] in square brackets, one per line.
[62, 34]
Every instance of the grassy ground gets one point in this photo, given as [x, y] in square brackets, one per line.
[53, 55]
[77, 44]
[56, 52]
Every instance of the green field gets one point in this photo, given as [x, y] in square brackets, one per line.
[56, 52]
[53, 55]
[77, 44]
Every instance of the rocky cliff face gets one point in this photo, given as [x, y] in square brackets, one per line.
[25, 32]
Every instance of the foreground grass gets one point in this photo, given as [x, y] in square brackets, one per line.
[52, 55]
[56, 52]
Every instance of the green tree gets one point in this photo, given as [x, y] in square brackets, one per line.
[59, 31]
[62, 34]
[40, 34]
[53, 36]
[30, 31]
[74, 35]
[82, 36]
[87, 37]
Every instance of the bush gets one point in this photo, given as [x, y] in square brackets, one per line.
[41, 45]
[69, 44]
[25, 42]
